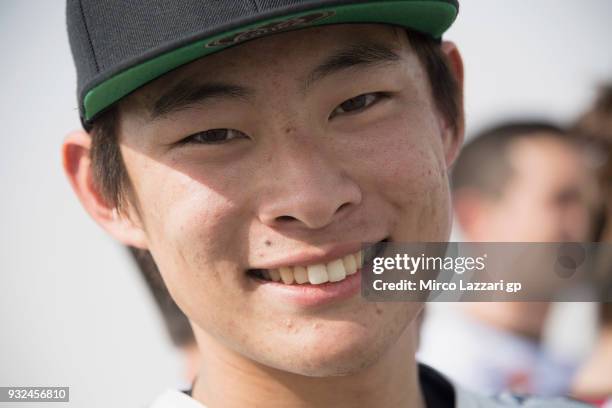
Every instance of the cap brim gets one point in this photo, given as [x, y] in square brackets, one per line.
[432, 17]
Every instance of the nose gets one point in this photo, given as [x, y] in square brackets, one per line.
[307, 188]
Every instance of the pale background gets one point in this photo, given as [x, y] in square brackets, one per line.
[73, 311]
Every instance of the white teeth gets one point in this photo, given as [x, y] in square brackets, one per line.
[275, 275]
[333, 271]
[349, 264]
[359, 259]
[286, 275]
[300, 274]
[317, 274]
[336, 271]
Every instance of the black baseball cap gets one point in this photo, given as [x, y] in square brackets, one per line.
[120, 45]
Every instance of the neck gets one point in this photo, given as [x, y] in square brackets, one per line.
[228, 379]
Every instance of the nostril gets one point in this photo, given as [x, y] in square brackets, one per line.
[288, 219]
[343, 206]
[285, 218]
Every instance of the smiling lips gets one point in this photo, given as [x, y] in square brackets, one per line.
[333, 271]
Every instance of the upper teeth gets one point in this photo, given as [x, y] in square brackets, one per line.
[333, 271]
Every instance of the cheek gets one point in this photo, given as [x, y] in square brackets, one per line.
[194, 231]
[406, 170]
[187, 217]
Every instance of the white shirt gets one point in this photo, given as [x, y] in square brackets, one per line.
[489, 361]
[175, 399]
[463, 399]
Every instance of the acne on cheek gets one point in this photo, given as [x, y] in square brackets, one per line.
[413, 169]
[416, 184]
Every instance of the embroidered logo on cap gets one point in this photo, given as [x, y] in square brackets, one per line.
[274, 27]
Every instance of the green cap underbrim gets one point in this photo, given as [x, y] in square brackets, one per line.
[432, 17]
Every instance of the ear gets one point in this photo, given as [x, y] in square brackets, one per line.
[126, 228]
[453, 138]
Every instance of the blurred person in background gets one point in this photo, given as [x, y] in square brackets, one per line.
[522, 181]
[594, 379]
[176, 322]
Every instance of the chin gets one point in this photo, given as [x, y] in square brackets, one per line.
[328, 348]
[340, 353]
[325, 364]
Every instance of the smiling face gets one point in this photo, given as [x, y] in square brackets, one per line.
[286, 151]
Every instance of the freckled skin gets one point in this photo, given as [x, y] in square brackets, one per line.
[300, 180]
[216, 216]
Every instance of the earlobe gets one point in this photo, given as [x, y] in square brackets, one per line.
[77, 167]
[454, 137]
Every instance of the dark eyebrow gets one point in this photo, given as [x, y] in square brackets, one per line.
[188, 92]
[353, 56]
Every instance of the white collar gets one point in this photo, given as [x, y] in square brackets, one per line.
[175, 399]
[463, 399]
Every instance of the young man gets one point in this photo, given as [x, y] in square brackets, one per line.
[519, 181]
[251, 147]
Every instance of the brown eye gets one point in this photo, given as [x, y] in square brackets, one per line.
[214, 136]
[356, 104]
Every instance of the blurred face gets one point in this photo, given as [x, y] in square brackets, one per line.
[550, 197]
[276, 159]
